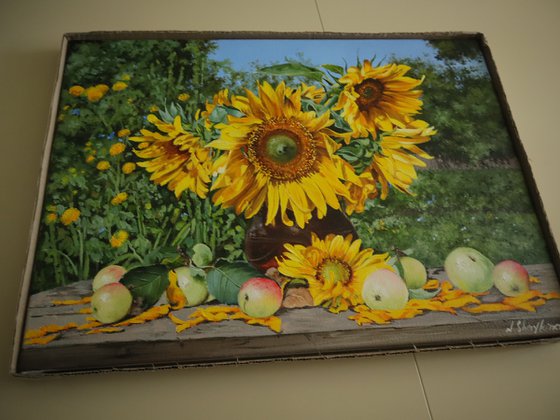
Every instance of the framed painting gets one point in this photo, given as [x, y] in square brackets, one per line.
[211, 198]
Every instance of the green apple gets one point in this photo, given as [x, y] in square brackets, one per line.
[414, 273]
[469, 270]
[109, 274]
[260, 297]
[111, 303]
[192, 283]
[385, 290]
[510, 278]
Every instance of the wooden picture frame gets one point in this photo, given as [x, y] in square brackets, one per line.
[123, 100]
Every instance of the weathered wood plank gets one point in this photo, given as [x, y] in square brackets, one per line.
[309, 332]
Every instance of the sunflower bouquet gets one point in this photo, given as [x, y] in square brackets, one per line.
[294, 152]
[291, 154]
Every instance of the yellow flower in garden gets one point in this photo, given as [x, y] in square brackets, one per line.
[90, 158]
[125, 77]
[334, 268]
[119, 198]
[280, 158]
[183, 97]
[102, 88]
[117, 149]
[118, 239]
[94, 94]
[69, 216]
[60, 117]
[176, 158]
[51, 218]
[51, 208]
[154, 108]
[103, 165]
[76, 90]
[123, 133]
[128, 168]
[378, 98]
[119, 86]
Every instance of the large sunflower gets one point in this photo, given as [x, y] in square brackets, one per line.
[378, 98]
[279, 157]
[174, 157]
[334, 268]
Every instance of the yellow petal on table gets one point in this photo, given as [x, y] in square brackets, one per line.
[184, 324]
[533, 279]
[272, 322]
[369, 318]
[524, 297]
[48, 329]
[461, 301]
[551, 295]
[109, 330]
[151, 314]
[212, 311]
[85, 311]
[42, 340]
[489, 307]
[175, 295]
[431, 284]
[530, 306]
[81, 301]
[405, 313]
[89, 325]
[430, 305]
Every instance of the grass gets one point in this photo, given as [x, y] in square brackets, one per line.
[487, 209]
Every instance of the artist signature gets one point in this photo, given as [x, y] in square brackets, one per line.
[534, 327]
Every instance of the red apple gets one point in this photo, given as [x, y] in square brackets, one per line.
[260, 297]
[511, 278]
[107, 275]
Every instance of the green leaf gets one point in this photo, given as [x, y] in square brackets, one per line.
[225, 281]
[333, 68]
[146, 284]
[202, 255]
[293, 69]
[422, 294]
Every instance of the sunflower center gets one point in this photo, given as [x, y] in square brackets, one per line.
[335, 271]
[370, 91]
[282, 148]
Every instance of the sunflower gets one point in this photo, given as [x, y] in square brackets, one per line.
[395, 164]
[222, 98]
[378, 98]
[278, 157]
[176, 158]
[334, 268]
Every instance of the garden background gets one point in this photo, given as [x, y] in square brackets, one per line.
[472, 193]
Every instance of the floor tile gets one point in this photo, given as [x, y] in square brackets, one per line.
[518, 382]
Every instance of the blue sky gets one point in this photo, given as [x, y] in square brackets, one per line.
[242, 52]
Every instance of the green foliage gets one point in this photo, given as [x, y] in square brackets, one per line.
[460, 102]
[225, 280]
[146, 284]
[150, 223]
[487, 209]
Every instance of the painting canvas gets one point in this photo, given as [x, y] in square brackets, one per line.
[230, 198]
